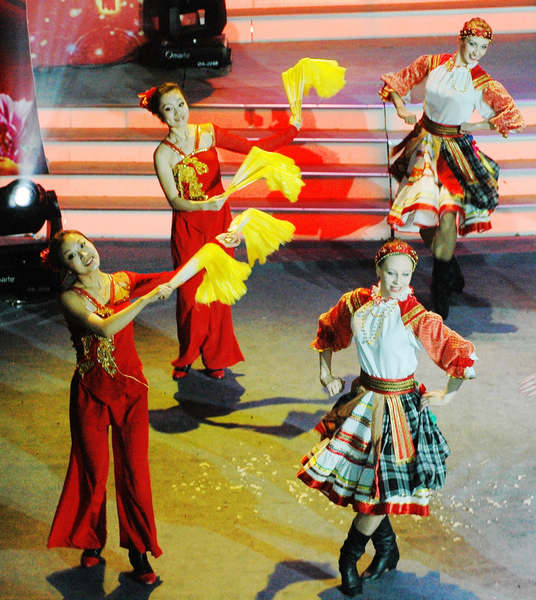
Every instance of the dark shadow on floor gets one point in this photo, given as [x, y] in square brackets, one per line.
[87, 584]
[343, 275]
[398, 585]
[473, 314]
[200, 399]
[190, 415]
[292, 571]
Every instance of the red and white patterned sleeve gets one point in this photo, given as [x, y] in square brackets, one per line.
[449, 350]
[402, 81]
[334, 326]
[507, 116]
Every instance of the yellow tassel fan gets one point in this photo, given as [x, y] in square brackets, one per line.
[224, 276]
[280, 172]
[325, 76]
[262, 232]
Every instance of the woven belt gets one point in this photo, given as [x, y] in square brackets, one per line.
[439, 128]
[403, 448]
[387, 386]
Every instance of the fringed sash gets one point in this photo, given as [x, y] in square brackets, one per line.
[391, 389]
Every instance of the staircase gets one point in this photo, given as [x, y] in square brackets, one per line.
[100, 156]
[105, 181]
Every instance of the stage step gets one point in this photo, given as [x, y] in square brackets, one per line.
[309, 147]
[320, 225]
[105, 181]
[349, 182]
[130, 122]
[339, 20]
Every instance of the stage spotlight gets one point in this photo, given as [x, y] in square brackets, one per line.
[25, 209]
[22, 195]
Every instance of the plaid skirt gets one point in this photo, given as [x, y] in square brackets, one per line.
[346, 469]
[439, 175]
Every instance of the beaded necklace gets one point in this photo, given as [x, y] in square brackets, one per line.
[468, 82]
[380, 308]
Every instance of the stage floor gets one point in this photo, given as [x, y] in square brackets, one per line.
[233, 520]
[255, 76]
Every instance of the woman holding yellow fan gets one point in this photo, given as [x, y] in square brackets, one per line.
[188, 169]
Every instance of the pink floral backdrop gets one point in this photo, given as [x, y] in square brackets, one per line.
[21, 147]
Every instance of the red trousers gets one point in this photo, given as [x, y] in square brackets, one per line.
[80, 519]
[202, 330]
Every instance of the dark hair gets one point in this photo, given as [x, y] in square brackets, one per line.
[154, 102]
[54, 258]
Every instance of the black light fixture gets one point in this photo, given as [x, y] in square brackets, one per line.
[25, 208]
[183, 19]
[189, 34]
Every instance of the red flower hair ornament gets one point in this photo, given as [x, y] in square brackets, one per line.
[145, 97]
[396, 246]
[46, 261]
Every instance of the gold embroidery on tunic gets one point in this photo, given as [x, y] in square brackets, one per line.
[105, 350]
[105, 355]
[186, 172]
[85, 364]
[121, 284]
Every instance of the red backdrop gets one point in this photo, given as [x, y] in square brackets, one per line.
[84, 32]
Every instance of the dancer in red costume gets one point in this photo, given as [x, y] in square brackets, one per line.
[108, 389]
[382, 452]
[188, 169]
[447, 185]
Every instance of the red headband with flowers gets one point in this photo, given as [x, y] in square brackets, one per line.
[396, 247]
[145, 97]
[476, 27]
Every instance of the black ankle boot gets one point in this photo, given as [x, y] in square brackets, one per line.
[387, 554]
[457, 281]
[351, 551]
[441, 287]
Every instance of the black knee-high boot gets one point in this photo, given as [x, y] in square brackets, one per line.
[441, 287]
[457, 281]
[387, 554]
[351, 551]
